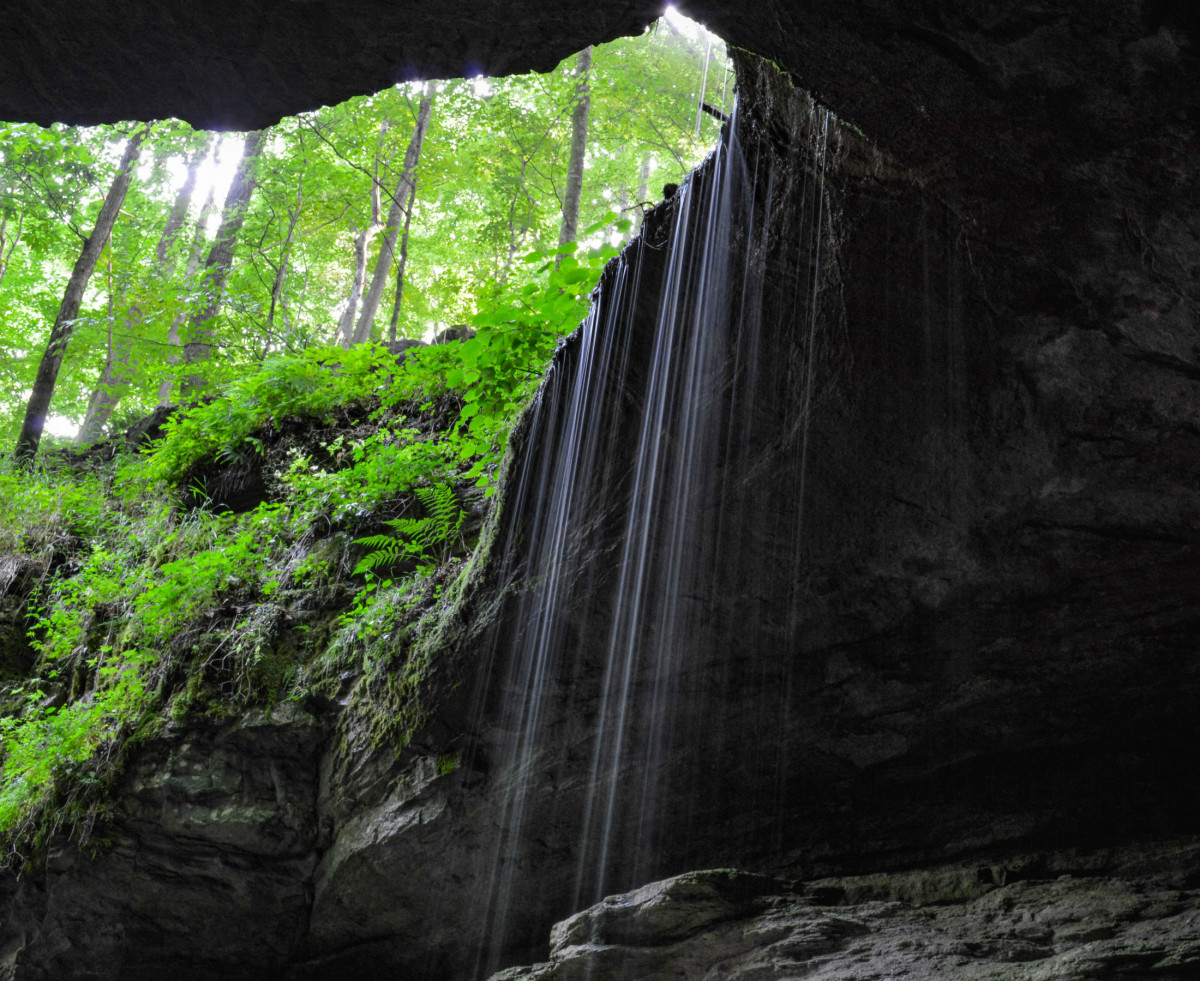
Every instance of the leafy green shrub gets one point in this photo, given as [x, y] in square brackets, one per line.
[426, 538]
[46, 504]
[497, 370]
[152, 609]
[311, 383]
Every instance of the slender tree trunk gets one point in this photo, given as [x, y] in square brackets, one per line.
[284, 254]
[383, 264]
[362, 241]
[189, 277]
[400, 265]
[579, 132]
[60, 335]
[198, 338]
[119, 367]
[644, 186]
[103, 400]
[179, 210]
[345, 327]
[9, 246]
[106, 375]
[516, 236]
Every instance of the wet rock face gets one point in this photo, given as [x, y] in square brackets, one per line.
[203, 871]
[998, 643]
[950, 923]
[980, 643]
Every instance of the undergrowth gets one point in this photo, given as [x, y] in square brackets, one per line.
[146, 611]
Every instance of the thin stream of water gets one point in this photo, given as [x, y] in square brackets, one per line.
[648, 436]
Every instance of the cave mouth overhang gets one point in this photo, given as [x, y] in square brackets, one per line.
[246, 64]
[1009, 107]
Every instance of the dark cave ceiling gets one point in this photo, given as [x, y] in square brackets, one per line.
[1018, 112]
[931, 82]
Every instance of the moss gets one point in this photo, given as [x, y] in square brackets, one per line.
[407, 674]
[198, 699]
[179, 617]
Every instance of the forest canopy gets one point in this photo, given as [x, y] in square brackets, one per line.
[324, 194]
[337, 322]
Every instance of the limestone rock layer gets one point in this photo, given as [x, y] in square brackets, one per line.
[1000, 658]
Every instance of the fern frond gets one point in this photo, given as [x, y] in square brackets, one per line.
[442, 504]
[384, 551]
[409, 527]
[376, 541]
[423, 538]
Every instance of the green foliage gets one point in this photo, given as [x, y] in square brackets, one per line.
[495, 372]
[427, 538]
[43, 506]
[383, 466]
[143, 613]
[490, 185]
[109, 633]
[311, 383]
[117, 622]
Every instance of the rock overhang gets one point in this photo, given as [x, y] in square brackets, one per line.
[1007, 107]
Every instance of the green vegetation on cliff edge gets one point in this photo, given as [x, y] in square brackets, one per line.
[153, 603]
[311, 524]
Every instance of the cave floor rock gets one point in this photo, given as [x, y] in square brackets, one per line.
[1025, 921]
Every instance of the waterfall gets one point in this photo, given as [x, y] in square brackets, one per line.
[649, 507]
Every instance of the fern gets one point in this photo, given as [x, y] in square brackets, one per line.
[384, 551]
[427, 538]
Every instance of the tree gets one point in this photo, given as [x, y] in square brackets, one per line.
[60, 334]
[199, 338]
[9, 241]
[507, 166]
[362, 241]
[401, 263]
[579, 132]
[119, 368]
[405, 189]
[191, 268]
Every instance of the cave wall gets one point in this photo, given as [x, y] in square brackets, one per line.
[997, 651]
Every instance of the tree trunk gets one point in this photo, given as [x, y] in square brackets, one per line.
[579, 131]
[119, 366]
[277, 300]
[179, 210]
[9, 246]
[362, 241]
[189, 277]
[345, 327]
[644, 185]
[400, 264]
[106, 373]
[60, 335]
[198, 338]
[383, 264]
[516, 238]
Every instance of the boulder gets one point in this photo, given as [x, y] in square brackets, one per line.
[953, 924]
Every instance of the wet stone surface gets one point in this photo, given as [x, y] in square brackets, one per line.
[949, 924]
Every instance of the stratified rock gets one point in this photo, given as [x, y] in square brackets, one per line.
[149, 428]
[209, 850]
[950, 924]
[998, 641]
[246, 64]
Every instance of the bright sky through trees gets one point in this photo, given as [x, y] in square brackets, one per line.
[489, 188]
